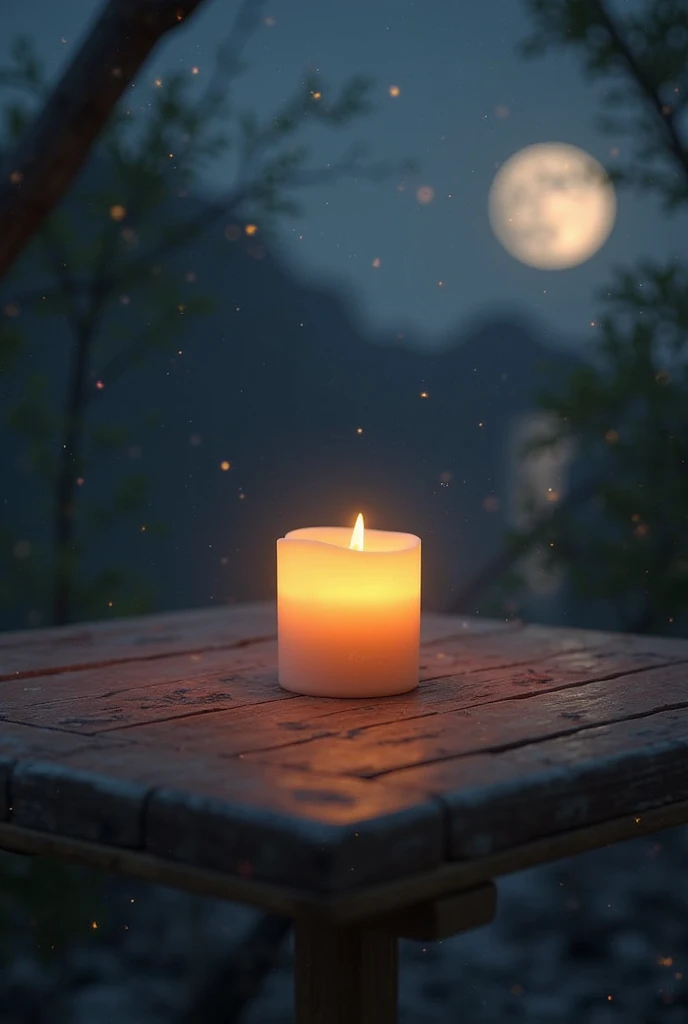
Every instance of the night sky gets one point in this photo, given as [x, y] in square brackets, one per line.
[467, 101]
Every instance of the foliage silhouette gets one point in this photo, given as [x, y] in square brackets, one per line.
[113, 248]
[621, 533]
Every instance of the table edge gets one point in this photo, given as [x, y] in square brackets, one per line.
[351, 906]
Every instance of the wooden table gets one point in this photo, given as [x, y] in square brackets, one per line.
[163, 748]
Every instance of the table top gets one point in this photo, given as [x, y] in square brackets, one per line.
[163, 746]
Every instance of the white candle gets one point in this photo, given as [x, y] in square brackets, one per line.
[348, 610]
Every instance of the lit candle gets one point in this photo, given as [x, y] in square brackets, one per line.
[348, 610]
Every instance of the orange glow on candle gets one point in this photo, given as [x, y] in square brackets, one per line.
[348, 611]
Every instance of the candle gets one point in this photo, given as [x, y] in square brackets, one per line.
[348, 610]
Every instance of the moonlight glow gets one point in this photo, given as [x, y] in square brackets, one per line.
[552, 206]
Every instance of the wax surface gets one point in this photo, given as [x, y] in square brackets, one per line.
[349, 621]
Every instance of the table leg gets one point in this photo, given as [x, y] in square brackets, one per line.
[344, 974]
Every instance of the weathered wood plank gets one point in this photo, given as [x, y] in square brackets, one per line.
[560, 785]
[121, 695]
[55, 798]
[269, 824]
[21, 743]
[282, 723]
[118, 696]
[36, 652]
[377, 749]
[317, 834]
[515, 648]
[58, 649]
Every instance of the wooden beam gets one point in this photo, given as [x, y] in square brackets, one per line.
[344, 974]
[358, 905]
[444, 916]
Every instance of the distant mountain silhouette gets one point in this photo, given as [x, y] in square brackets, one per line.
[279, 382]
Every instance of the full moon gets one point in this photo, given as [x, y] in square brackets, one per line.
[552, 206]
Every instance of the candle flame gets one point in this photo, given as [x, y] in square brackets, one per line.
[357, 535]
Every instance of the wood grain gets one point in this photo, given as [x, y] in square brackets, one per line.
[58, 649]
[121, 695]
[375, 750]
[555, 787]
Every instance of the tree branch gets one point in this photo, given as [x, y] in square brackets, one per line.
[229, 205]
[635, 70]
[53, 150]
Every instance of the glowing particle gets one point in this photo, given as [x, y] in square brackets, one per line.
[224, 465]
[359, 430]
[394, 91]
[80, 481]
[143, 529]
[251, 229]
[158, 83]
[118, 212]
[377, 262]
[94, 924]
[99, 385]
[270, 21]
[425, 194]
[424, 394]
[440, 284]
[316, 95]
[194, 71]
[501, 111]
